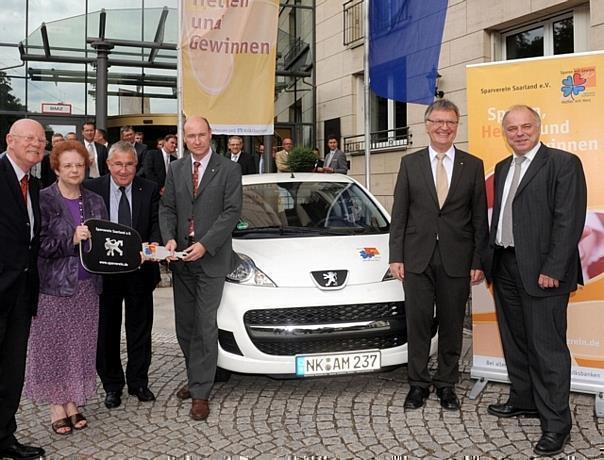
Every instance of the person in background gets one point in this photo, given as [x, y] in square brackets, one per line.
[335, 159]
[71, 136]
[97, 152]
[19, 282]
[281, 155]
[100, 137]
[243, 159]
[62, 344]
[139, 137]
[127, 134]
[157, 162]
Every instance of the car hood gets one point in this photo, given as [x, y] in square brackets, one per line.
[290, 261]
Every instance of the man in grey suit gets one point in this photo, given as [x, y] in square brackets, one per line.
[199, 209]
[437, 238]
[335, 159]
[538, 218]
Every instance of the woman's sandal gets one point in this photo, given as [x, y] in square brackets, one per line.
[78, 418]
[59, 424]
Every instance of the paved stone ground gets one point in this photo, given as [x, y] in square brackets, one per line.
[356, 416]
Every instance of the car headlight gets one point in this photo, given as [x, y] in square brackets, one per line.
[247, 273]
[388, 275]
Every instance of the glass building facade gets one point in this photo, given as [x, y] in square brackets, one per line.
[144, 97]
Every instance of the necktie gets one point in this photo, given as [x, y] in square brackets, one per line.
[196, 165]
[94, 169]
[24, 187]
[507, 233]
[123, 211]
[261, 165]
[442, 183]
[167, 161]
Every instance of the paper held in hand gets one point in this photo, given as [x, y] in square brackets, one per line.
[156, 252]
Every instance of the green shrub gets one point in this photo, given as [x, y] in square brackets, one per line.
[301, 159]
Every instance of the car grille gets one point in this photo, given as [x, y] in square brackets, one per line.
[270, 329]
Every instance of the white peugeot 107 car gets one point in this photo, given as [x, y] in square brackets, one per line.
[312, 294]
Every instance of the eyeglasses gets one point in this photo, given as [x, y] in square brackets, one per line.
[450, 123]
[30, 139]
[73, 165]
[119, 165]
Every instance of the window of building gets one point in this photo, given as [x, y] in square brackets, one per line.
[387, 117]
[561, 34]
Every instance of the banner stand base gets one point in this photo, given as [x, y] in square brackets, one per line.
[599, 404]
[480, 385]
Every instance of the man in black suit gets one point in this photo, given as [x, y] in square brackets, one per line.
[19, 283]
[538, 218]
[437, 238]
[96, 152]
[134, 289]
[244, 159]
[127, 134]
[158, 161]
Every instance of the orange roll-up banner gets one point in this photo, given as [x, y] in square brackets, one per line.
[228, 63]
[568, 93]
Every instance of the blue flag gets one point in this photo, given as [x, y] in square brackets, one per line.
[404, 46]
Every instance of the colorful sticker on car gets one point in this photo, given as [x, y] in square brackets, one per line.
[369, 253]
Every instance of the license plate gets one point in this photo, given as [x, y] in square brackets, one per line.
[337, 363]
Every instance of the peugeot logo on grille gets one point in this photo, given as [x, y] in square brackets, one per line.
[330, 279]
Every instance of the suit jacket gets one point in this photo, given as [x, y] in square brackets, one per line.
[59, 259]
[154, 168]
[18, 253]
[145, 204]
[281, 161]
[247, 163]
[215, 209]
[101, 158]
[417, 221]
[338, 162]
[141, 152]
[549, 214]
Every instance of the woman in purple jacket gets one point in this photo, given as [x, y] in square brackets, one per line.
[62, 343]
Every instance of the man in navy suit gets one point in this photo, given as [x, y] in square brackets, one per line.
[437, 241]
[135, 289]
[19, 283]
[158, 161]
[538, 218]
[96, 152]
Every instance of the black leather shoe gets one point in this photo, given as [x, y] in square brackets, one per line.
[551, 443]
[416, 397]
[21, 451]
[142, 393]
[448, 398]
[113, 399]
[507, 410]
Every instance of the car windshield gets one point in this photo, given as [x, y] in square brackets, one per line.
[308, 209]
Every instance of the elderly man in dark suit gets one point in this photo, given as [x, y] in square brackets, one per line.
[199, 209]
[437, 238]
[96, 152]
[335, 159]
[132, 201]
[243, 159]
[538, 218]
[158, 161]
[19, 282]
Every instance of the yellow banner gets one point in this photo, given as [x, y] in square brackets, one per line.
[228, 56]
[565, 92]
